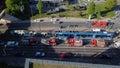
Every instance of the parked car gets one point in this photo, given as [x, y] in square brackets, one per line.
[56, 20]
[89, 22]
[12, 43]
[62, 26]
[39, 54]
[83, 7]
[73, 25]
[59, 9]
[66, 55]
[24, 42]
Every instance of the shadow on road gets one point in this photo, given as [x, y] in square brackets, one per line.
[108, 57]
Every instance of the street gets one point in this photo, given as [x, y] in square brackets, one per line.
[80, 54]
[51, 51]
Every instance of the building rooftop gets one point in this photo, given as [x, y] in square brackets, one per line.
[28, 63]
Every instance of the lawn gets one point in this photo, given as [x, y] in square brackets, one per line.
[75, 13]
[40, 16]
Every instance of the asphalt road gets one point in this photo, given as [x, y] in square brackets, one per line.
[52, 26]
[29, 51]
[45, 24]
[80, 54]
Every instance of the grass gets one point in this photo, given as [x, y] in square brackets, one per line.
[75, 13]
[40, 65]
[40, 16]
[109, 14]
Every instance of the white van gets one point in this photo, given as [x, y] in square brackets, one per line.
[96, 29]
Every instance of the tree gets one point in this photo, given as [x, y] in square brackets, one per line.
[13, 7]
[110, 4]
[40, 6]
[91, 9]
[18, 8]
[71, 8]
[67, 4]
[77, 6]
[98, 9]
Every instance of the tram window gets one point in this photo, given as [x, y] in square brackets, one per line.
[83, 36]
[89, 35]
[78, 35]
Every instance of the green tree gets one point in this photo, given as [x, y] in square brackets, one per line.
[13, 7]
[10, 6]
[109, 4]
[67, 4]
[18, 8]
[40, 6]
[77, 6]
[91, 9]
[71, 8]
[98, 9]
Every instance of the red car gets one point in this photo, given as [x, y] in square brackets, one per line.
[65, 55]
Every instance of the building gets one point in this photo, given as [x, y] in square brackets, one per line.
[37, 63]
[50, 4]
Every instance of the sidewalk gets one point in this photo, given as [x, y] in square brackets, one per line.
[64, 19]
[70, 19]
